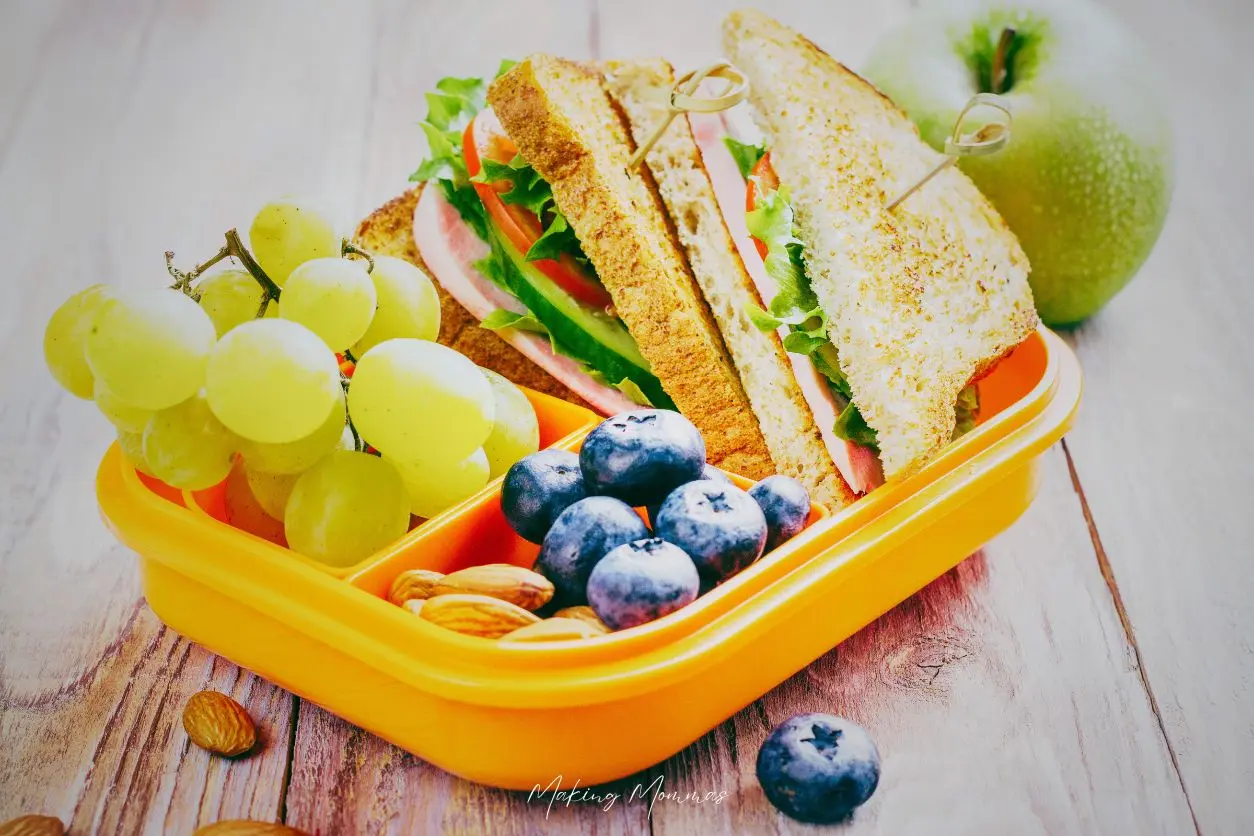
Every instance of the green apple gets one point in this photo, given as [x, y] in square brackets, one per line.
[1086, 179]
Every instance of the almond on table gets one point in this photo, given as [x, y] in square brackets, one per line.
[219, 724]
[33, 826]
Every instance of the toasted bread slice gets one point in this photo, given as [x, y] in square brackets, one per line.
[921, 300]
[565, 125]
[389, 230]
[676, 163]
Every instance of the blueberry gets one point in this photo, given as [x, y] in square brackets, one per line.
[641, 456]
[538, 488]
[786, 504]
[582, 535]
[717, 524]
[818, 768]
[708, 472]
[641, 581]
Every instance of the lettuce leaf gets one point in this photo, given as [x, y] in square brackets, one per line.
[797, 306]
[532, 192]
[450, 107]
[851, 426]
[771, 222]
[501, 318]
[745, 154]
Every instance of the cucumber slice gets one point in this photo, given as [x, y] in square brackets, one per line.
[596, 338]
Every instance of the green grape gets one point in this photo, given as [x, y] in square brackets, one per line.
[271, 490]
[299, 455]
[439, 483]
[187, 447]
[150, 348]
[65, 339]
[273, 381]
[288, 232]
[231, 297]
[345, 508]
[333, 297]
[408, 305]
[127, 418]
[414, 399]
[132, 445]
[515, 430]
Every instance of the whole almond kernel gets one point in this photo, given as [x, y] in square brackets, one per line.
[553, 630]
[219, 724]
[240, 827]
[415, 583]
[33, 826]
[585, 614]
[476, 615]
[529, 590]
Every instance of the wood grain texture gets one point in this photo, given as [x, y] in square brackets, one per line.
[1005, 697]
[1165, 444]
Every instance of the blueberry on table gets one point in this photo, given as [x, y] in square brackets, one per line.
[719, 526]
[818, 768]
[708, 472]
[640, 582]
[641, 456]
[539, 487]
[786, 504]
[582, 535]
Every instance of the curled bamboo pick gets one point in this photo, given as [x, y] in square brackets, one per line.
[682, 98]
[989, 139]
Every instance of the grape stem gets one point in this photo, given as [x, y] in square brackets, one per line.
[349, 248]
[358, 447]
[234, 247]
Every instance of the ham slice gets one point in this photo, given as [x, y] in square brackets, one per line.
[859, 465]
[450, 248]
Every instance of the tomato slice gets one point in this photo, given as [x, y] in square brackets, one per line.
[485, 138]
[767, 181]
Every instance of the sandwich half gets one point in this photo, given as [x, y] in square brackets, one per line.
[904, 310]
[780, 389]
[531, 221]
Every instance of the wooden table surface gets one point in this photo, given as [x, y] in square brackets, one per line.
[1091, 671]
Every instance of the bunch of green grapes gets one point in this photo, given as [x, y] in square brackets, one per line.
[235, 373]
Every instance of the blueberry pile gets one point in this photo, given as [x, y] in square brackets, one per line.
[596, 548]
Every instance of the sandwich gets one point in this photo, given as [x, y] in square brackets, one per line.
[535, 230]
[902, 311]
[837, 345]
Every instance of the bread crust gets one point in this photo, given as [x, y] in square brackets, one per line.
[389, 230]
[565, 125]
[921, 300]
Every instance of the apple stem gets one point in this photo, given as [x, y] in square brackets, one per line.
[1001, 66]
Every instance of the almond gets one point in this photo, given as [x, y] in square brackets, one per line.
[529, 590]
[33, 826]
[553, 630]
[240, 827]
[476, 615]
[414, 605]
[585, 614]
[416, 583]
[218, 723]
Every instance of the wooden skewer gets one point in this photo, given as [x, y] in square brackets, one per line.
[989, 139]
[681, 98]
